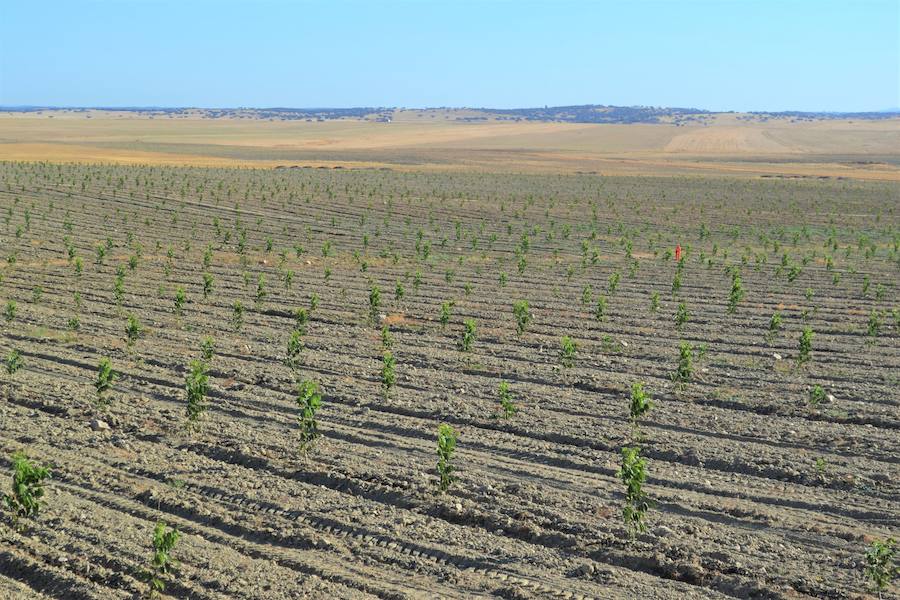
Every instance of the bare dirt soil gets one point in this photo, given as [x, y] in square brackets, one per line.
[758, 491]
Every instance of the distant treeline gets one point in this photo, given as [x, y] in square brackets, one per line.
[587, 113]
[596, 113]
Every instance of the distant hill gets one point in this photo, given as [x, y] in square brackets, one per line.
[586, 113]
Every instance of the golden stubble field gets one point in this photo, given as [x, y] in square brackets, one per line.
[435, 140]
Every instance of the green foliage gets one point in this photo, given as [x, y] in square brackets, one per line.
[180, 299]
[881, 568]
[523, 316]
[26, 497]
[294, 349]
[633, 474]
[207, 349]
[613, 283]
[445, 313]
[587, 295]
[308, 400]
[446, 445]
[133, 330]
[736, 295]
[654, 301]
[817, 395]
[641, 402]
[506, 400]
[388, 373]
[105, 379]
[774, 327]
[164, 541]
[207, 285]
[676, 283]
[301, 320]
[10, 311]
[600, 311]
[374, 303]
[874, 325]
[387, 340]
[468, 335]
[805, 346]
[13, 362]
[567, 350]
[685, 370]
[119, 289]
[237, 315]
[260, 289]
[196, 387]
[682, 316]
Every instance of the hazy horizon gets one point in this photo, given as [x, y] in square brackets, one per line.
[764, 56]
[124, 107]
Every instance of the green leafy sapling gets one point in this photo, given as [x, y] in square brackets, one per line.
[506, 400]
[207, 349]
[445, 313]
[180, 300]
[817, 395]
[104, 382]
[468, 335]
[374, 303]
[13, 362]
[388, 373]
[567, 351]
[237, 315]
[633, 473]
[685, 369]
[9, 312]
[600, 310]
[162, 564]
[309, 399]
[446, 446]
[881, 568]
[736, 295]
[774, 327]
[26, 497]
[641, 403]
[523, 316]
[682, 316]
[207, 285]
[387, 338]
[133, 330]
[294, 349]
[804, 346]
[196, 387]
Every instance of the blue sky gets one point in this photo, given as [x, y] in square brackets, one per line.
[721, 55]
